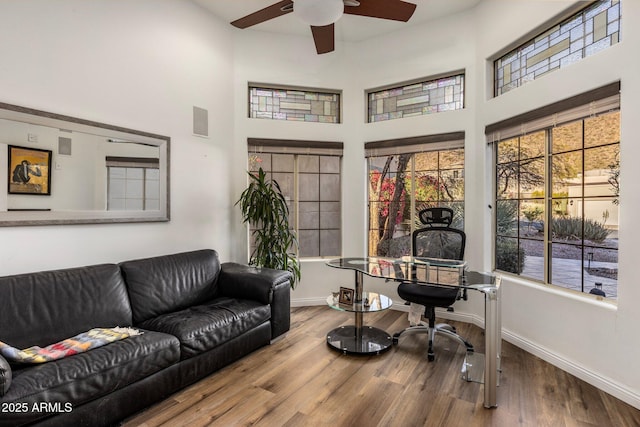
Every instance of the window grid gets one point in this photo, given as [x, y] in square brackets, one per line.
[311, 185]
[589, 31]
[429, 179]
[565, 176]
[133, 188]
[294, 104]
[416, 99]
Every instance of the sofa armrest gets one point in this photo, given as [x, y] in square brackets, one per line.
[5, 376]
[265, 285]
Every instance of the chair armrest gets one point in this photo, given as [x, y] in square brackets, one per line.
[265, 285]
[5, 376]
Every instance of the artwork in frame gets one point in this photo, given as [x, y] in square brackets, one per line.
[346, 296]
[29, 171]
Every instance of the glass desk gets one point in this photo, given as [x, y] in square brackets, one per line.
[359, 339]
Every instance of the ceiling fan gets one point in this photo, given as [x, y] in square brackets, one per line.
[321, 15]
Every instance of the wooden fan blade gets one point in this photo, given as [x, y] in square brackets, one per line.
[395, 10]
[324, 38]
[263, 15]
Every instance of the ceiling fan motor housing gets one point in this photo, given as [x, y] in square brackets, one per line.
[318, 13]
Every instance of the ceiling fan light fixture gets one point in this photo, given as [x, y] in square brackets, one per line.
[318, 13]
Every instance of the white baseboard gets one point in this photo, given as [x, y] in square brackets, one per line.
[308, 302]
[632, 397]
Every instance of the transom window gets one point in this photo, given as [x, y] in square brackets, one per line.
[426, 96]
[294, 104]
[557, 197]
[407, 176]
[578, 36]
[309, 174]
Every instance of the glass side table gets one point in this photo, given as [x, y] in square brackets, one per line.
[360, 339]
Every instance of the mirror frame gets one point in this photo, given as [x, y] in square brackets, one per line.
[39, 217]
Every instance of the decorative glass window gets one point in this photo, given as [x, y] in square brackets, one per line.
[586, 32]
[557, 198]
[416, 98]
[133, 184]
[407, 176]
[309, 174]
[303, 105]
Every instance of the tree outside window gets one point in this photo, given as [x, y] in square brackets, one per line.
[403, 184]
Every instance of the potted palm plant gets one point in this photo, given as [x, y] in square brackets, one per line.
[265, 209]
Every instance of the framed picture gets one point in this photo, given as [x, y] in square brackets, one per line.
[346, 296]
[29, 171]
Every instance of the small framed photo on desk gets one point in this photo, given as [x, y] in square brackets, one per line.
[346, 296]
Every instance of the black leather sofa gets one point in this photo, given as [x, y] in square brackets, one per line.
[197, 315]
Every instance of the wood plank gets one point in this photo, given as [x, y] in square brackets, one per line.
[299, 380]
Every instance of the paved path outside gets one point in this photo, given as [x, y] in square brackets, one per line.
[566, 273]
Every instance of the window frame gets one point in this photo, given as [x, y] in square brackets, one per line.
[305, 92]
[297, 148]
[579, 108]
[571, 12]
[144, 163]
[415, 145]
[422, 80]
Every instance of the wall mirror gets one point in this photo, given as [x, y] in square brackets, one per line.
[57, 169]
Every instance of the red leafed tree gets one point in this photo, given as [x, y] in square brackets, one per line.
[391, 197]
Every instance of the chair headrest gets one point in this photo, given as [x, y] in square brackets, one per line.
[436, 216]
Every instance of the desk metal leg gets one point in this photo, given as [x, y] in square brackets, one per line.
[493, 344]
[472, 369]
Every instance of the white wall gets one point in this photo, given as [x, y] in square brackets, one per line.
[72, 191]
[587, 338]
[142, 65]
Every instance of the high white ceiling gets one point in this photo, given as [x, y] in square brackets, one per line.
[350, 28]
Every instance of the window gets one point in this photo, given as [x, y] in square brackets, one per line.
[309, 174]
[557, 194]
[416, 98]
[133, 184]
[582, 34]
[406, 176]
[294, 104]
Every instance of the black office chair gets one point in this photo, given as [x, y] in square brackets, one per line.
[437, 240]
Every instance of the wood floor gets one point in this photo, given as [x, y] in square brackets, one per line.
[300, 381]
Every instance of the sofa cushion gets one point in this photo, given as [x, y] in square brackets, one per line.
[49, 306]
[169, 283]
[86, 376]
[201, 328]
